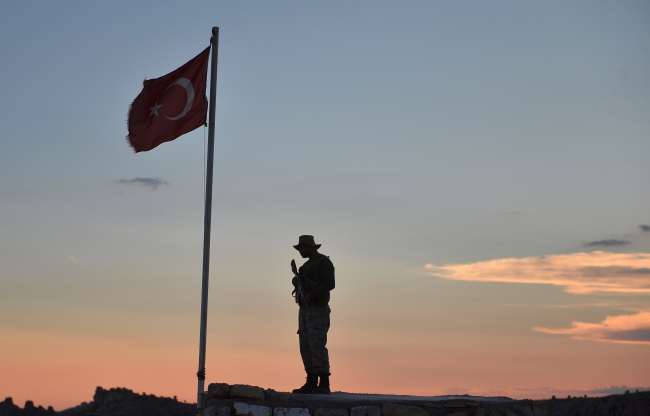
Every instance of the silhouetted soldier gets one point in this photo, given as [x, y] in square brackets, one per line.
[313, 282]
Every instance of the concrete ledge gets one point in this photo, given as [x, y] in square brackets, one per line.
[394, 409]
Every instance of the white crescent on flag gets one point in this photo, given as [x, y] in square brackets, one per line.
[187, 84]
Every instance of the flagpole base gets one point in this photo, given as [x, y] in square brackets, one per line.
[199, 397]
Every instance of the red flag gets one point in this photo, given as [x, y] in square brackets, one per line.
[169, 106]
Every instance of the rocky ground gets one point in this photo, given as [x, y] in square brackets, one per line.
[240, 400]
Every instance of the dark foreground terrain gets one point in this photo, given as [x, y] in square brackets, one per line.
[238, 401]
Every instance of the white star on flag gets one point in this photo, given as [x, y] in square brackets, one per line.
[154, 109]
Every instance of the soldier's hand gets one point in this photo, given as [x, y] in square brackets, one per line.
[295, 281]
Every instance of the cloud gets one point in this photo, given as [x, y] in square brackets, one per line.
[151, 183]
[644, 228]
[626, 329]
[577, 273]
[607, 243]
[75, 260]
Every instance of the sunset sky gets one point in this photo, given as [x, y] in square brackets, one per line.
[478, 173]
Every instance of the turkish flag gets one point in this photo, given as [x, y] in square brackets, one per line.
[169, 106]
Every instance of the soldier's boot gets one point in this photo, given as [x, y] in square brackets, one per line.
[310, 384]
[323, 386]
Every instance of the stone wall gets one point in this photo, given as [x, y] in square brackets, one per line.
[242, 400]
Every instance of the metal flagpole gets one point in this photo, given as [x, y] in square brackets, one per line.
[214, 41]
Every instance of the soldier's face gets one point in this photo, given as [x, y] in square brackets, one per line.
[304, 251]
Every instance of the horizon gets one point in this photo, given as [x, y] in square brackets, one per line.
[621, 390]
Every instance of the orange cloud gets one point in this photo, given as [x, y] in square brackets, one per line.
[577, 273]
[626, 329]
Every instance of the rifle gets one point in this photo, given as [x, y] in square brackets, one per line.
[301, 288]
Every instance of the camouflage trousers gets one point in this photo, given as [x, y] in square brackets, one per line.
[313, 324]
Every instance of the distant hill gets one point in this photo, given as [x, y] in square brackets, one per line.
[113, 402]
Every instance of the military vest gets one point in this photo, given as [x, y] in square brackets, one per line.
[314, 273]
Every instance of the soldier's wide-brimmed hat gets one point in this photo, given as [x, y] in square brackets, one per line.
[306, 240]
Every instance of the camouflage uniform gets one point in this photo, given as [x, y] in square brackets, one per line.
[314, 318]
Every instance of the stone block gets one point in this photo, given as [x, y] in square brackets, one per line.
[246, 392]
[210, 411]
[510, 413]
[495, 413]
[480, 412]
[394, 409]
[219, 390]
[224, 411]
[538, 411]
[245, 409]
[365, 411]
[291, 411]
[457, 414]
[322, 411]
[524, 410]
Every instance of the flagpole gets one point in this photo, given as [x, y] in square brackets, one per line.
[214, 41]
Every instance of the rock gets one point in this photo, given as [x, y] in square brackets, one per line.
[245, 391]
[525, 410]
[495, 413]
[365, 411]
[510, 413]
[393, 409]
[245, 409]
[219, 390]
[480, 412]
[217, 411]
[457, 414]
[472, 404]
[290, 411]
[224, 411]
[322, 411]
[538, 411]
[454, 403]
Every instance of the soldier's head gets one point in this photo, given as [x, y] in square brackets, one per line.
[307, 247]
